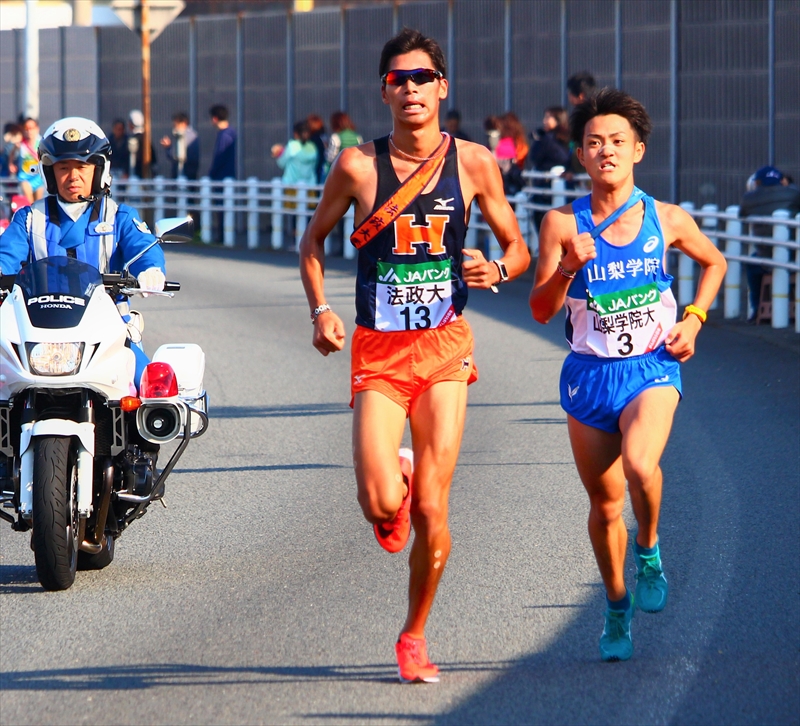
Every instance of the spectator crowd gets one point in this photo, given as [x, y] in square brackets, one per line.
[312, 149]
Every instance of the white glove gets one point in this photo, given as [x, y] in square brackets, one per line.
[151, 280]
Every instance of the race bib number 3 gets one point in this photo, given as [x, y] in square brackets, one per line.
[626, 322]
[413, 296]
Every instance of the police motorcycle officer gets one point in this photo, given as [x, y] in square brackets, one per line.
[79, 219]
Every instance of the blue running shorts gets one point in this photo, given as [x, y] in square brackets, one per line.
[596, 390]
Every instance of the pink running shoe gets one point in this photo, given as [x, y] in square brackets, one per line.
[393, 536]
[412, 661]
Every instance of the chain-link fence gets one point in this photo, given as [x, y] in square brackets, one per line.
[721, 78]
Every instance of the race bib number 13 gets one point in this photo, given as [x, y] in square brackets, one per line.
[413, 296]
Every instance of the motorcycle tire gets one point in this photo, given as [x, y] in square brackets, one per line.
[102, 559]
[55, 512]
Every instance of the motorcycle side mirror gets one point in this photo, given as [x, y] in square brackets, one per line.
[171, 229]
[175, 229]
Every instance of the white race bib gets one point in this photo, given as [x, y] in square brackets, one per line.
[413, 296]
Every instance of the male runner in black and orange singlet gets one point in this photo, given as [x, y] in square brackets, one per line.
[411, 350]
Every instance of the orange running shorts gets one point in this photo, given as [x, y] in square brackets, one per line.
[406, 363]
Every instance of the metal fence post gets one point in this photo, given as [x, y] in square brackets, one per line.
[710, 223]
[252, 212]
[348, 251]
[471, 240]
[205, 210]
[558, 186]
[158, 202]
[182, 203]
[686, 269]
[520, 200]
[797, 281]
[780, 277]
[302, 219]
[228, 216]
[493, 249]
[276, 189]
[733, 277]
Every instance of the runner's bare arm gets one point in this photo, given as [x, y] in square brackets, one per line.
[682, 231]
[559, 242]
[481, 181]
[341, 188]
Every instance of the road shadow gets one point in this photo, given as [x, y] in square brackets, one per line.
[291, 410]
[264, 467]
[157, 675]
[18, 579]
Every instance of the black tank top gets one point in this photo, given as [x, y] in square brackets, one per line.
[409, 275]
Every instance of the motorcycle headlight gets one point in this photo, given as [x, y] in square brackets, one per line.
[54, 359]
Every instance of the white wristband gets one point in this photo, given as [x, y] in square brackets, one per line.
[318, 311]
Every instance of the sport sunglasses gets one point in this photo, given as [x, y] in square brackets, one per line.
[419, 76]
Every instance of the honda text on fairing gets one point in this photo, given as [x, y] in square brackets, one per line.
[78, 442]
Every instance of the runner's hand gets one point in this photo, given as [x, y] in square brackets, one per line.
[680, 340]
[578, 251]
[328, 333]
[477, 271]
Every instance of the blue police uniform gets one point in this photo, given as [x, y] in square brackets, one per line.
[104, 235]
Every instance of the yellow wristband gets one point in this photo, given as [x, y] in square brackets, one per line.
[694, 310]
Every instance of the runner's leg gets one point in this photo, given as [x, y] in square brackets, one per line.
[597, 456]
[645, 424]
[437, 423]
[378, 424]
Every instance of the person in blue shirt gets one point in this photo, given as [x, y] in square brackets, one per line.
[78, 218]
[223, 160]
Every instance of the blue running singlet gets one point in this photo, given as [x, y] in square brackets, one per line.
[620, 304]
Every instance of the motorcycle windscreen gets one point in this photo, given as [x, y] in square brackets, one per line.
[56, 290]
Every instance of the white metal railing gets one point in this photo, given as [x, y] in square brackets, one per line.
[289, 208]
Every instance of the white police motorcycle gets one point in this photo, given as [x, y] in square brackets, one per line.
[78, 444]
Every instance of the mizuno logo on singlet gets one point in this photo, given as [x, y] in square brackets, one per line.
[441, 205]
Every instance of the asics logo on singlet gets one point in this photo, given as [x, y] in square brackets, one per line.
[441, 205]
[572, 391]
[651, 244]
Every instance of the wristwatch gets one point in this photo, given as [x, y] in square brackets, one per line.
[501, 268]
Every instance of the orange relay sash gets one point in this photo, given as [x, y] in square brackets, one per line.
[405, 195]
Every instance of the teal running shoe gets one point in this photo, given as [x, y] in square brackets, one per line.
[615, 642]
[651, 585]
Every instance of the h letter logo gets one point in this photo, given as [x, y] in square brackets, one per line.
[407, 234]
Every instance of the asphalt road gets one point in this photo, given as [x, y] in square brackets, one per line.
[260, 596]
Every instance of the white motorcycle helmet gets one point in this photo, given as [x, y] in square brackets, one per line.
[75, 138]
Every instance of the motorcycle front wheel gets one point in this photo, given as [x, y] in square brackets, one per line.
[55, 512]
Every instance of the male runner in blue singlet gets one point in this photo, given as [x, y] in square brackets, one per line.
[604, 256]
[411, 350]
